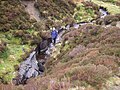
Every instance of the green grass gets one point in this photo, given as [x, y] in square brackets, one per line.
[10, 56]
[113, 9]
[82, 14]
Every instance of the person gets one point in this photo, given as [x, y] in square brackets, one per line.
[54, 35]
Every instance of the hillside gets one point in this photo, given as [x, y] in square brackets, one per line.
[87, 57]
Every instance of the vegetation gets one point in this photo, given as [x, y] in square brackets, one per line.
[88, 57]
[10, 56]
[57, 10]
[13, 16]
[83, 14]
[113, 9]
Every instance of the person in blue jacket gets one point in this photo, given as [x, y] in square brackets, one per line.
[54, 35]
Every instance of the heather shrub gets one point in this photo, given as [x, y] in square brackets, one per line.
[57, 10]
[91, 5]
[40, 26]
[76, 51]
[68, 20]
[12, 16]
[110, 62]
[92, 74]
[109, 19]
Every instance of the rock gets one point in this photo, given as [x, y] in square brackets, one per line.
[29, 68]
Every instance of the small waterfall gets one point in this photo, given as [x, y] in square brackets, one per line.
[76, 25]
[103, 12]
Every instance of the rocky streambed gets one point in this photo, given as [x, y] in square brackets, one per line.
[32, 67]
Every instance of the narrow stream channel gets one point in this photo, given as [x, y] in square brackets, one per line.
[30, 68]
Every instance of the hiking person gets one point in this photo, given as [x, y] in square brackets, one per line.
[54, 35]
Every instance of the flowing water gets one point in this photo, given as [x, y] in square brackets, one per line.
[29, 68]
[103, 13]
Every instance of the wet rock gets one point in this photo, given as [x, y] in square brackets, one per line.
[41, 67]
[29, 67]
[36, 5]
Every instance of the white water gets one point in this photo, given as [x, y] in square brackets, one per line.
[29, 64]
[103, 13]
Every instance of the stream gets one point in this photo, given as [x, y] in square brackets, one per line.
[31, 67]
